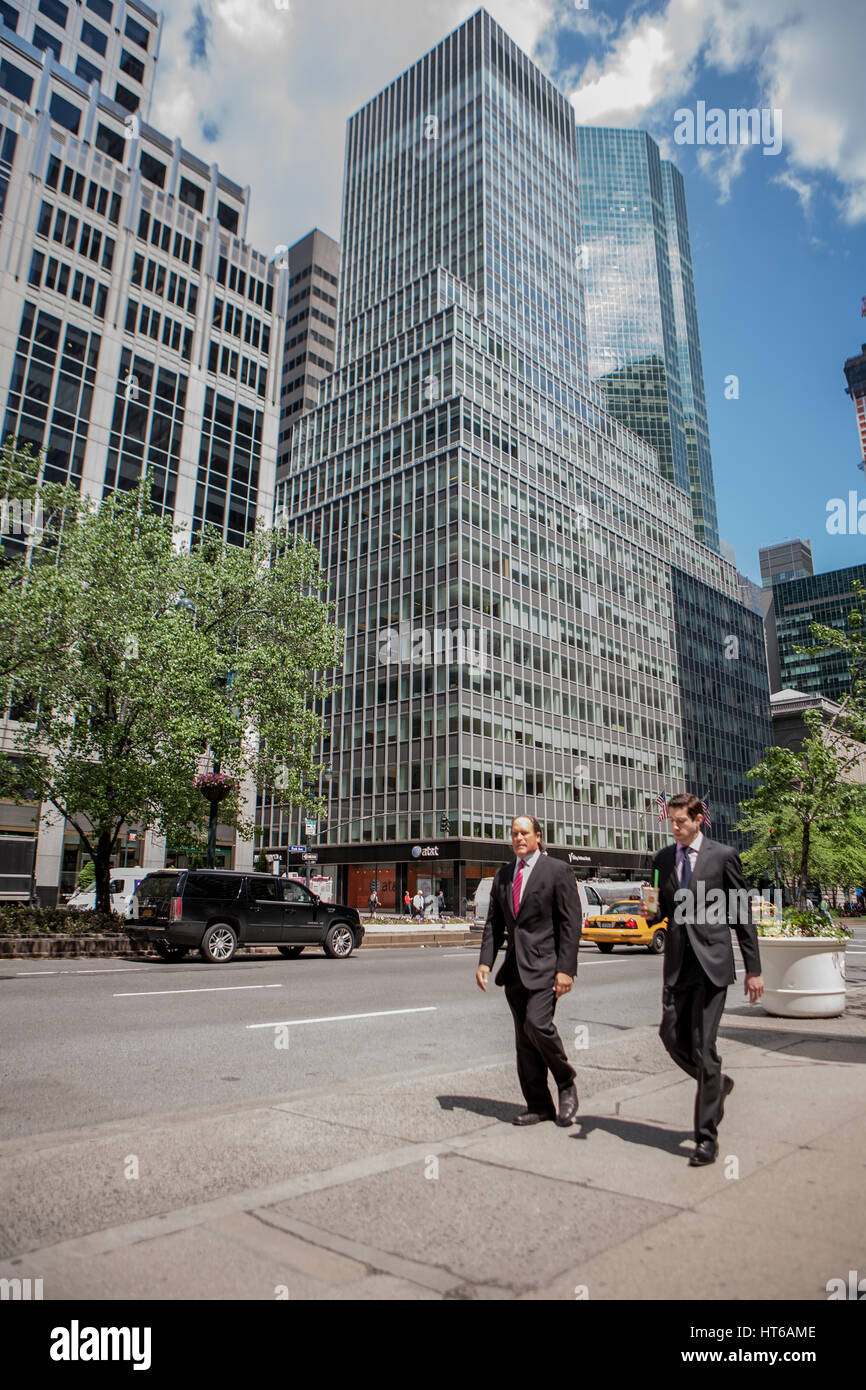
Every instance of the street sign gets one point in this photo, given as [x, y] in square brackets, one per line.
[296, 849]
[309, 827]
[311, 859]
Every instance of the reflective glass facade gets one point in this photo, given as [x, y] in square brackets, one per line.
[502, 552]
[819, 598]
[641, 313]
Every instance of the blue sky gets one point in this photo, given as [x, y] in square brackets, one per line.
[264, 89]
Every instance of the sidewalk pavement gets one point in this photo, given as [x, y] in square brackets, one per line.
[419, 1187]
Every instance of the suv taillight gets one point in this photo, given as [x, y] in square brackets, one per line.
[174, 914]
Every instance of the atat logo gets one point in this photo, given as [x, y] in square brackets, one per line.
[428, 852]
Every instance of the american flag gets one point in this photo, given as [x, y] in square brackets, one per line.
[661, 803]
[705, 804]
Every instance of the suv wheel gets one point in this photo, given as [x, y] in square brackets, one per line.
[339, 940]
[657, 944]
[166, 951]
[219, 944]
[290, 952]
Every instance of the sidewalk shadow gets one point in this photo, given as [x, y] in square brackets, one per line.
[504, 1110]
[818, 1044]
[651, 1136]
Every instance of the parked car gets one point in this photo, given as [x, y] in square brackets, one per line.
[218, 910]
[590, 901]
[123, 885]
[623, 924]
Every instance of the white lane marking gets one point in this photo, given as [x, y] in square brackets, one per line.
[339, 1018]
[203, 989]
[21, 974]
[112, 970]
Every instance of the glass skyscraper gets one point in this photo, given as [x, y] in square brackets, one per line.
[517, 578]
[642, 323]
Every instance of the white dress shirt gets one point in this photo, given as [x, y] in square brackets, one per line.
[692, 851]
[529, 862]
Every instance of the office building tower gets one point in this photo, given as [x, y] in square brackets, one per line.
[526, 610]
[137, 326]
[855, 375]
[114, 43]
[641, 311]
[828, 599]
[311, 328]
[787, 560]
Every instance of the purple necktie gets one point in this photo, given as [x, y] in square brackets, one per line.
[515, 887]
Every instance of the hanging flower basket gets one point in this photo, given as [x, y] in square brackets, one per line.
[214, 786]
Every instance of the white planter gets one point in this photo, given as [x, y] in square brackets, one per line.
[804, 977]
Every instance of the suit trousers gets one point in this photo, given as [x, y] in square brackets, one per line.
[539, 1046]
[691, 1013]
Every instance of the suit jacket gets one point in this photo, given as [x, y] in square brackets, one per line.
[703, 918]
[545, 936]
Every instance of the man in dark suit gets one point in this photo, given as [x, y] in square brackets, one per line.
[703, 894]
[535, 913]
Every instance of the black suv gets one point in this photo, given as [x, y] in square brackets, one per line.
[219, 910]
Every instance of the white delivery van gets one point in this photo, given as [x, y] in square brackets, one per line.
[123, 885]
[590, 901]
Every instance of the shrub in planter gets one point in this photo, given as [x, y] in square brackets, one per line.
[803, 964]
[17, 919]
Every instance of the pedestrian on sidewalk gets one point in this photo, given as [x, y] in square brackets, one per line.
[407, 903]
[418, 905]
[440, 903]
[699, 958]
[373, 902]
[535, 914]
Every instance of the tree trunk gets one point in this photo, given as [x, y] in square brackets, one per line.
[102, 864]
[804, 867]
[212, 826]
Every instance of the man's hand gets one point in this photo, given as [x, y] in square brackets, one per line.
[563, 984]
[481, 977]
[753, 985]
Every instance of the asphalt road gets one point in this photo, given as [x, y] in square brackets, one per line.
[86, 1044]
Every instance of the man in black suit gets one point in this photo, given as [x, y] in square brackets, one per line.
[534, 902]
[703, 894]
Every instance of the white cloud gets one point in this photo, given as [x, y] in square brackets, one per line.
[281, 84]
[806, 59]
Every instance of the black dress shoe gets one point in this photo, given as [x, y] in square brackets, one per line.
[706, 1152]
[727, 1087]
[567, 1105]
[532, 1117]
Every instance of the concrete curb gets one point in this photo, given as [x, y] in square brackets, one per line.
[53, 947]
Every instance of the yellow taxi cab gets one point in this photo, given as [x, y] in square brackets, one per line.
[623, 924]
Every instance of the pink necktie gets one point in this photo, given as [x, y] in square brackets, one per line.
[515, 888]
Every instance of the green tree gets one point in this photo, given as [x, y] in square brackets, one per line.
[809, 796]
[146, 663]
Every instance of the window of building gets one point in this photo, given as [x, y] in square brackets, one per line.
[9, 16]
[94, 38]
[87, 72]
[13, 80]
[192, 195]
[65, 114]
[151, 169]
[104, 8]
[42, 39]
[110, 143]
[53, 10]
[227, 217]
[137, 33]
[124, 97]
[132, 66]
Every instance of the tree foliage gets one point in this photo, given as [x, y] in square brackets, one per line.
[143, 661]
